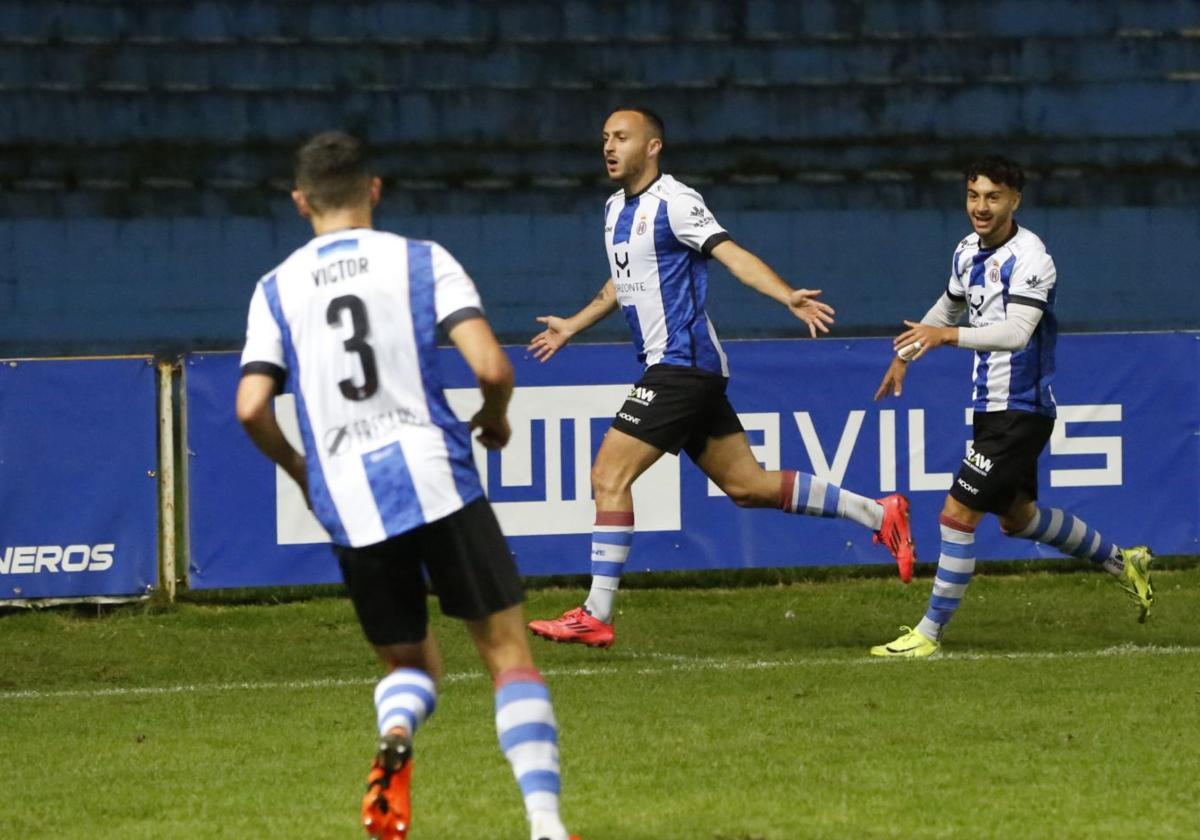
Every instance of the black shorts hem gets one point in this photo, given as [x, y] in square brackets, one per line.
[465, 558]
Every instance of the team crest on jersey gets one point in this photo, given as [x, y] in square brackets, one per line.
[994, 274]
[641, 228]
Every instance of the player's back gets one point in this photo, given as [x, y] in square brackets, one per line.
[357, 313]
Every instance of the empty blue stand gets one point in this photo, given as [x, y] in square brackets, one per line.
[147, 145]
[121, 285]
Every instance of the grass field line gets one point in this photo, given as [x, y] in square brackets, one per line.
[659, 664]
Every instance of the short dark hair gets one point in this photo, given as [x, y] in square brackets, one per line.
[657, 127]
[332, 171]
[998, 169]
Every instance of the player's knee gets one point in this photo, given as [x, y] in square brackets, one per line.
[742, 495]
[1010, 526]
[607, 481]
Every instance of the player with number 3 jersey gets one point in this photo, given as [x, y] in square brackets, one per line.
[349, 324]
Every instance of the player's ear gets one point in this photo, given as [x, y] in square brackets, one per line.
[302, 205]
[654, 147]
[1017, 202]
[376, 189]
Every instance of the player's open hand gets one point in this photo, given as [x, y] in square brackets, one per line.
[893, 380]
[494, 432]
[919, 339]
[550, 340]
[804, 305]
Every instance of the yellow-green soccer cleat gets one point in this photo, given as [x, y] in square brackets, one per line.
[912, 644]
[1135, 578]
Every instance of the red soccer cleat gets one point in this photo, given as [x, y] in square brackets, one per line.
[577, 625]
[386, 812]
[896, 534]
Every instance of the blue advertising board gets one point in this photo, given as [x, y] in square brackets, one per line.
[1124, 456]
[78, 478]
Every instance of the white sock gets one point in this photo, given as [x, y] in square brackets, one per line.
[611, 537]
[406, 697]
[802, 493]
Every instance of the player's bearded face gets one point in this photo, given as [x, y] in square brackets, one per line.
[626, 142]
[990, 207]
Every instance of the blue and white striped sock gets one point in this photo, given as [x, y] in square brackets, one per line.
[612, 536]
[529, 739]
[1071, 535]
[800, 492]
[956, 565]
[406, 697]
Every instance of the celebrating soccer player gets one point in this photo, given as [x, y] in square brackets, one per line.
[1002, 274]
[349, 321]
[659, 235]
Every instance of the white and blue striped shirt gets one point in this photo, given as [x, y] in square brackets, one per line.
[350, 320]
[1019, 271]
[658, 244]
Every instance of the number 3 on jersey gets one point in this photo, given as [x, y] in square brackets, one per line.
[356, 343]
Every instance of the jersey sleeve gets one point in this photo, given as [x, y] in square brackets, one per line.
[1032, 280]
[954, 287]
[455, 296]
[694, 224]
[263, 352]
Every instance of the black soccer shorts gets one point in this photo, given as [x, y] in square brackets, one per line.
[1002, 463]
[466, 558]
[673, 408]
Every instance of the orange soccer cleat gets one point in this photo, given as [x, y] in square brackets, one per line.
[386, 811]
[896, 534]
[577, 625]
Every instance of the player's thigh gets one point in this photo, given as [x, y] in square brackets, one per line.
[469, 563]
[621, 459]
[730, 463]
[387, 589]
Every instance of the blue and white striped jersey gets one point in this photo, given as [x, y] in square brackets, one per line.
[351, 320]
[1019, 271]
[658, 244]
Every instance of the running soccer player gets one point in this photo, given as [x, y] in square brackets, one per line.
[659, 235]
[349, 323]
[1003, 276]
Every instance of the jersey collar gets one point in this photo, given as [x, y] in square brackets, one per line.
[629, 197]
[1011, 236]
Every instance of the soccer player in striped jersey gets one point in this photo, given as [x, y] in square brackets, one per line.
[1003, 277]
[349, 323]
[659, 235]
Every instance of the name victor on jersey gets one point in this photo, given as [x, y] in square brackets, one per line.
[340, 270]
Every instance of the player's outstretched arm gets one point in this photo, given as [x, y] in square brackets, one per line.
[256, 413]
[477, 344]
[560, 330]
[759, 276]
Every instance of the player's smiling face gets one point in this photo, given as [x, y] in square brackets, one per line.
[628, 145]
[990, 207]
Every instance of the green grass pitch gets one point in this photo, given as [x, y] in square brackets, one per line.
[721, 714]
